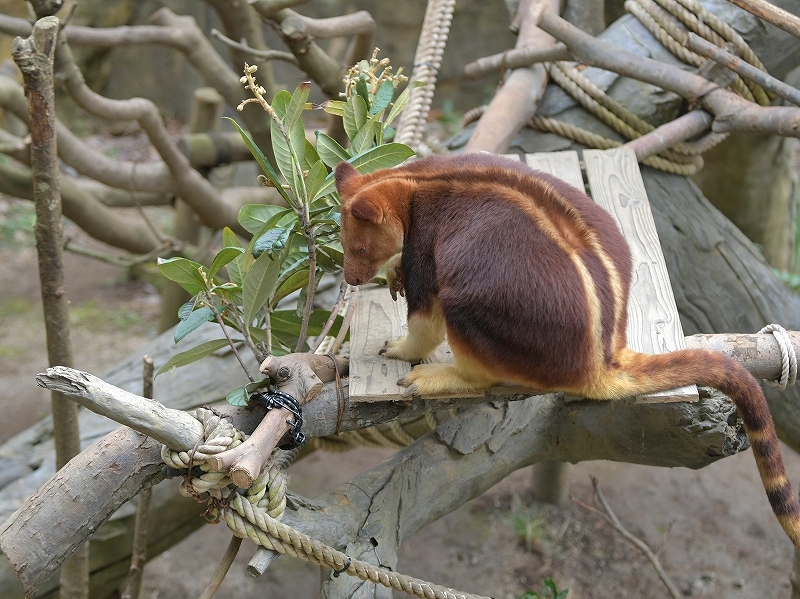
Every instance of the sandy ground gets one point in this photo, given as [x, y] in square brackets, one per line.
[712, 529]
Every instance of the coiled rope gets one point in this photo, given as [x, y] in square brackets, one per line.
[255, 513]
[669, 21]
[788, 356]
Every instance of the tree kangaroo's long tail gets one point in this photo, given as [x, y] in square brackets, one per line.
[713, 369]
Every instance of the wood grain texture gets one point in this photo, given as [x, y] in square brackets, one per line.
[377, 319]
[653, 324]
[564, 165]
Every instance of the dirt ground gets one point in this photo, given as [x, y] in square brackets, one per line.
[713, 529]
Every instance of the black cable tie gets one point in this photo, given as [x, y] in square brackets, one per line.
[275, 398]
[344, 569]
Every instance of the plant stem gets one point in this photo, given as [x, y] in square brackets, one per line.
[332, 318]
[218, 316]
[312, 283]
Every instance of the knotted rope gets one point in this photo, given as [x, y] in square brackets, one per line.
[255, 513]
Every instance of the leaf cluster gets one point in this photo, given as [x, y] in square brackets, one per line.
[291, 246]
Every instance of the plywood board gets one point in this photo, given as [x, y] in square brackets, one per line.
[564, 165]
[653, 324]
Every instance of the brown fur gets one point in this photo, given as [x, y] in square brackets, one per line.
[529, 280]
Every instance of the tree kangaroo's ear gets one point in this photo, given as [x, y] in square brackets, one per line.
[367, 207]
[347, 179]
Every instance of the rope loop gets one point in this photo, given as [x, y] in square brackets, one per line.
[788, 356]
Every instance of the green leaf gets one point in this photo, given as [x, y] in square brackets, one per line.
[355, 115]
[315, 178]
[223, 257]
[330, 152]
[334, 107]
[332, 253]
[193, 322]
[253, 217]
[294, 281]
[237, 397]
[366, 135]
[229, 238]
[273, 242]
[287, 321]
[262, 162]
[310, 157]
[361, 88]
[234, 268]
[383, 156]
[283, 156]
[186, 309]
[280, 102]
[401, 101]
[193, 355]
[259, 285]
[383, 97]
[184, 272]
[240, 397]
[296, 104]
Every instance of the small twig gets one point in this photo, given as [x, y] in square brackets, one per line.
[118, 260]
[222, 569]
[348, 317]
[218, 316]
[133, 583]
[256, 53]
[312, 283]
[245, 330]
[332, 318]
[631, 538]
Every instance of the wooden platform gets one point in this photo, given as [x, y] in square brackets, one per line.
[614, 182]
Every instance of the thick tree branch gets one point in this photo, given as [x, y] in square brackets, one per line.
[81, 206]
[771, 14]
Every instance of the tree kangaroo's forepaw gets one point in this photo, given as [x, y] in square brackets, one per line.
[398, 349]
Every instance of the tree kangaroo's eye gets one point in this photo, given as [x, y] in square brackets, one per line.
[362, 250]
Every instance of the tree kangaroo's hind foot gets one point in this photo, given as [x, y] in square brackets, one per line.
[442, 379]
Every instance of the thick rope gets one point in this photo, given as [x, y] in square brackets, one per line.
[255, 514]
[428, 59]
[788, 356]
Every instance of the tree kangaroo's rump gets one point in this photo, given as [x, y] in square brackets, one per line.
[529, 279]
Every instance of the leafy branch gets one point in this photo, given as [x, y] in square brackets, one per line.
[291, 246]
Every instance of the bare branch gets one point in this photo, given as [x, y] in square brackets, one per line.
[731, 112]
[514, 59]
[191, 186]
[771, 14]
[516, 102]
[262, 54]
[684, 127]
[736, 64]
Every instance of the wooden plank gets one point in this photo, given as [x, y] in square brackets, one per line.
[564, 165]
[377, 319]
[653, 324]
